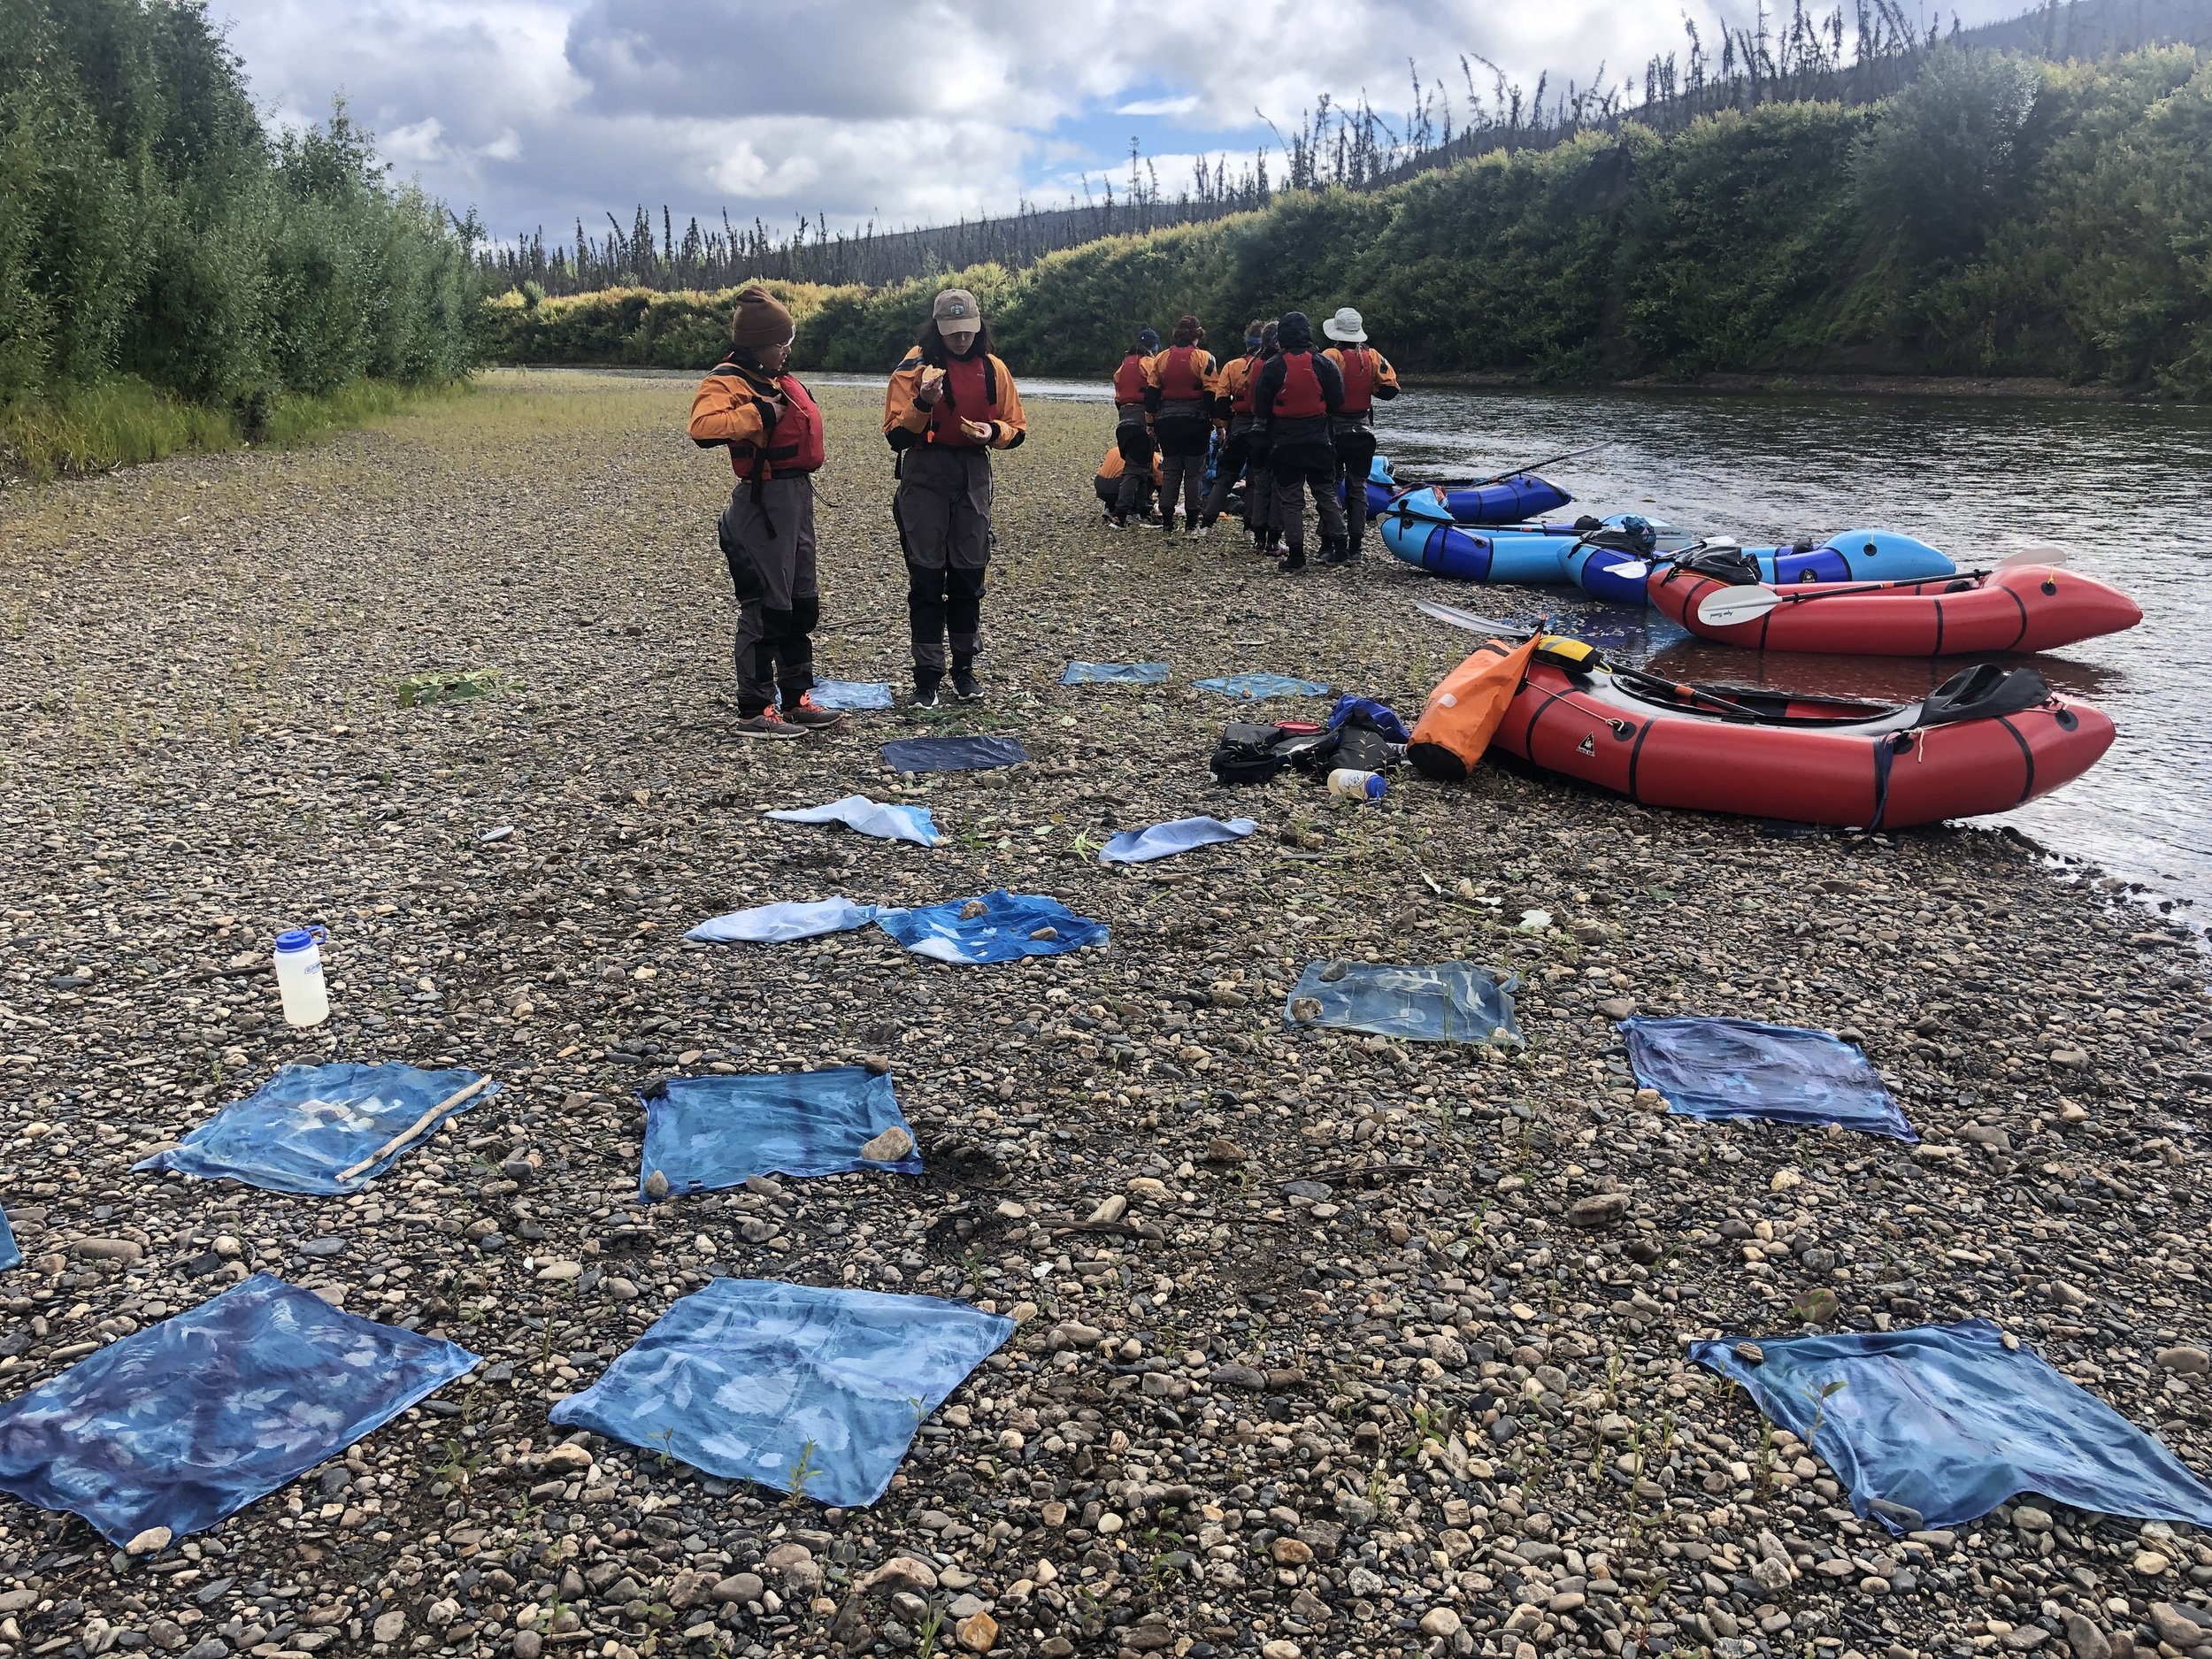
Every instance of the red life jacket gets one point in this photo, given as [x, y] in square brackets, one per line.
[1240, 400]
[1358, 370]
[1129, 380]
[1180, 379]
[795, 447]
[971, 394]
[1300, 397]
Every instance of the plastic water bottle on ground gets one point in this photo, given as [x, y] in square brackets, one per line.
[1356, 785]
[299, 975]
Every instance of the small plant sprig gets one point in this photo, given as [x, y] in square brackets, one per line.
[801, 1472]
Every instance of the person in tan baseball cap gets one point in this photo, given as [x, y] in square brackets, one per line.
[950, 402]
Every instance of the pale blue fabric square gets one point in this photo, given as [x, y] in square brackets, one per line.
[192, 1419]
[870, 817]
[1164, 840]
[851, 694]
[1115, 674]
[297, 1131]
[788, 918]
[1253, 688]
[757, 1379]
[1449, 1002]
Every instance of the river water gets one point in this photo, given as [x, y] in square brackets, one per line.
[2126, 488]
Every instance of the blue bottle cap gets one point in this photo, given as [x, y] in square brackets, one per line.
[295, 939]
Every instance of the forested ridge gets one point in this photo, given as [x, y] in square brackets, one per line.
[1998, 216]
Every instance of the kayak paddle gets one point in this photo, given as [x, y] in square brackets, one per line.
[1473, 623]
[1728, 606]
[1549, 460]
[1442, 484]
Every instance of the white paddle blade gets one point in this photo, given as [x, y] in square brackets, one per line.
[1636, 569]
[2033, 556]
[1725, 607]
[1466, 619]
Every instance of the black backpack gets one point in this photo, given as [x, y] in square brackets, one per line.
[1252, 753]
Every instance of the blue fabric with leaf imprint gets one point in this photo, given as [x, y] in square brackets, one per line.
[192, 1419]
[1449, 1002]
[10, 1255]
[801, 1390]
[1001, 931]
[711, 1132]
[297, 1131]
[1936, 1425]
[1742, 1068]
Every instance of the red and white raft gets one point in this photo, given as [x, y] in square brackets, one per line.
[2013, 608]
[1986, 739]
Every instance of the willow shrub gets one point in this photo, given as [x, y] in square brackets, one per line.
[153, 236]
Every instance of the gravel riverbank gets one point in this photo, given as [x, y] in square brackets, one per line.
[1317, 1357]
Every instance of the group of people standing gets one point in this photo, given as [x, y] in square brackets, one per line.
[1287, 418]
[950, 402]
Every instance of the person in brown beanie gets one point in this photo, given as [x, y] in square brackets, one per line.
[772, 430]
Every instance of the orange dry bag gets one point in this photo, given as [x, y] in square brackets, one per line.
[1466, 709]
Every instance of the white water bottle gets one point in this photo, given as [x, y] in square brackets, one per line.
[1353, 785]
[299, 976]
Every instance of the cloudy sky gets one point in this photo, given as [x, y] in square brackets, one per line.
[539, 112]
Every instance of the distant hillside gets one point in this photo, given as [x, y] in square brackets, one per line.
[1996, 217]
[1784, 57]
[2065, 29]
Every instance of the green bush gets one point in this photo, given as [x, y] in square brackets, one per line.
[628, 327]
[153, 236]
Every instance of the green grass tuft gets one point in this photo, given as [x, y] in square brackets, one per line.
[123, 421]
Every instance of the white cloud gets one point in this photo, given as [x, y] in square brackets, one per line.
[543, 112]
[1183, 106]
[416, 144]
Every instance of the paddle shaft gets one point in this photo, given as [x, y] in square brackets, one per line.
[1467, 620]
[1755, 602]
[1549, 460]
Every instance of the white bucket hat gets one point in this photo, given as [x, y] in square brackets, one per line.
[1345, 325]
